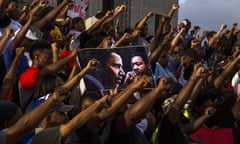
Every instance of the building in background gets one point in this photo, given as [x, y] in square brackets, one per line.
[136, 10]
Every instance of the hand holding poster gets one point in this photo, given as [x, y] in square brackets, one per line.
[78, 9]
[118, 66]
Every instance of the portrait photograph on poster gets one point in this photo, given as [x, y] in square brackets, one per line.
[117, 68]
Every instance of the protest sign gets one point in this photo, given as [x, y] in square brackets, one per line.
[118, 66]
[78, 9]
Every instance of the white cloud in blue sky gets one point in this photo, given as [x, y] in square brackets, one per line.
[210, 14]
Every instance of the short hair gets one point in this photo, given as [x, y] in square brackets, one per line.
[46, 84]
[142, 55]
[38, 47]
[9, 1]
[76, 20]
[7, 111]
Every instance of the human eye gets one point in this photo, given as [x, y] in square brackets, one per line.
[116, 65]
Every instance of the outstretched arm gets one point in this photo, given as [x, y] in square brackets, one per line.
[216, 36]
[193, 126]
[30, 120]
[10, 76]
[143, 21]
[228, 70]
[42, 23]
[155, 54]
[177, 37]
[175, 110]
[158, 35]
[21, 34]
[98, 24]
[116, 12]
[92, 64]
[63, 12]
[5, 38]
[117, 102]
[138, 110]
[56, 66]
[2, 8]
[83, 117]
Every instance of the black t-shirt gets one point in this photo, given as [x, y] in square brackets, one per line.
[48, 136]
[133, 136]
[88, 138]
[171, 134]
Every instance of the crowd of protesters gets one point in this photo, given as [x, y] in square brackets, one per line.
[42, 99]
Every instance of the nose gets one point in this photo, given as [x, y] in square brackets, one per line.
[122, 73]
[135, 67]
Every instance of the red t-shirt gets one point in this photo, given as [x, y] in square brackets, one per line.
[28, 79]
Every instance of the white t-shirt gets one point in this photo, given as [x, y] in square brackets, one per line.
[235, 81]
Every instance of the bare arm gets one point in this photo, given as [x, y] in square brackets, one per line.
[30, 120]
[122, 40]
[175, 6]
[21, 34]
[84, 116]
[1, 8]
[155, 54]
[193, 126]
[219, 80]
[42, 23]
[213, 40]
[73, 72]
[92, 64]
[196, 90]
[177, 37]
[10, 76]
[63, 13]
[116, 12]
[143, 21]
[158, 35]
[98, 24]
[231, 33]
[56, 66]
[138, 110]
[55, 52]
[175, 111]
[118, 101]
[4, 40]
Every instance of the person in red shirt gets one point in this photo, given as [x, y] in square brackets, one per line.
[41, 56]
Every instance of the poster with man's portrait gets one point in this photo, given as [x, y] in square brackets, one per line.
[118, 67]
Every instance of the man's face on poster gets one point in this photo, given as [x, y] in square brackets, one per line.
[115, 64]
[138, 65]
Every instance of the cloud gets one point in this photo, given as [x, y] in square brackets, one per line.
[210, 14]
[182, 1]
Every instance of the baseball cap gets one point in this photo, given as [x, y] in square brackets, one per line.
[90, 21]
[58, 106]
[7, 111]
[30, 35]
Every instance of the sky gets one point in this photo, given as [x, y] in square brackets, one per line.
[210, 14]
